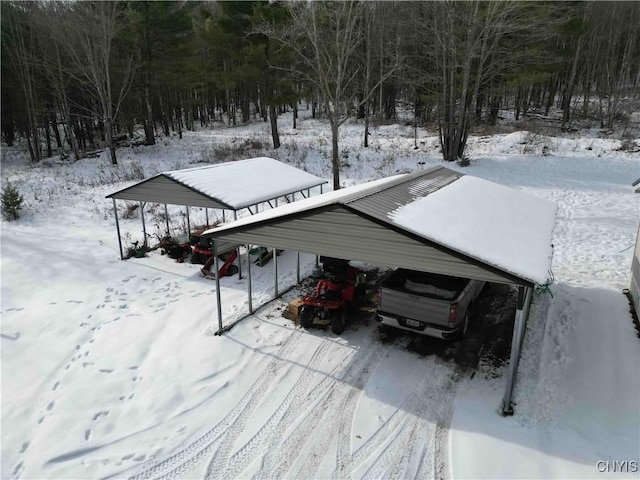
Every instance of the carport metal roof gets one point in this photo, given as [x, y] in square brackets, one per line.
[225, 186]
[361, 223]
[230, 186]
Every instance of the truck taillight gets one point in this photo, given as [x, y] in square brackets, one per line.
[453, 313]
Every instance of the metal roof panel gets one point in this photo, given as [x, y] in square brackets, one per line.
[230, 185]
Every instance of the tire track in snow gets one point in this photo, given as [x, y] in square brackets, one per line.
[189, 456]
[347, 392]
[344, 454]
[381, 463]
[310, 417]
[238, 462]
[278, 461]
[393, 427]
[396, 459]
[443, 426]
[397, 453]
[405, 429]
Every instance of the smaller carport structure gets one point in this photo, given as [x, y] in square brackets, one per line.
[234, 186]
[435, 220]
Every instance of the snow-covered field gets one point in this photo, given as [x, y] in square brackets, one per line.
[110, 369]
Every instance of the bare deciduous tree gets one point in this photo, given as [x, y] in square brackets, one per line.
[90, 29]
[54, 63]
[326, 38]
[19, 34]
[466, 44]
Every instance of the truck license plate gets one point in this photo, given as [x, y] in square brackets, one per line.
[413, 323]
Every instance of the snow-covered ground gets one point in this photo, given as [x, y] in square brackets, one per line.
[110, 369]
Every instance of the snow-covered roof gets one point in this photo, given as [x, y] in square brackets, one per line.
[485, 222]
[230, 185]
[328, 198]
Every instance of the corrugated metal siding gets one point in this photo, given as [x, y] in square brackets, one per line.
[161, 189]
[417, 186]
[340, 233]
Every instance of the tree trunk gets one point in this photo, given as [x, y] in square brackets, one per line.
[335, 158]
[108, 133]
[78, 133]
[47, 134]
[380, 109]
[189, 116]
[9, 133]
[462, 126]
[552, 94]
[568, 93]
[30, 146]
[56, 132]
[35, 138]
[273, 119]
[494, 108]
[246, 109]
[479, 104]
[72, 137]
[164, 120]
[295, 114]
[366, 126]
[149, 137]
[621, 80]
[178, 119]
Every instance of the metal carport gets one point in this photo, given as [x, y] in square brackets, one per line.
[234, 186]
[362, 223]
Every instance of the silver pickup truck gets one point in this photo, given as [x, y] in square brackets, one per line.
[426, 303]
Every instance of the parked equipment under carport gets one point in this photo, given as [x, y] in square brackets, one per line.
[337, 293]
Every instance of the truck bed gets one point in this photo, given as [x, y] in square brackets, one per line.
[425, 284]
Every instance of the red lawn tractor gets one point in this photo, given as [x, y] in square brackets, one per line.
[202, 248]
[334, 296]
[203, 254]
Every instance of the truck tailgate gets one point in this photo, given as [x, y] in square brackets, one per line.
[415, 307]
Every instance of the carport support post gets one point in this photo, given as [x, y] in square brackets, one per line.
[297, 267]
[115, 214]
[188, 225]
[522, 312]
[275, 271]
[235, 217]
[144, 227]
[218, 297]
[166, 217]
[206, 216]
[249, 278]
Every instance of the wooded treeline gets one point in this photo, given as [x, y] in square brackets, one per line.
[81, 75]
